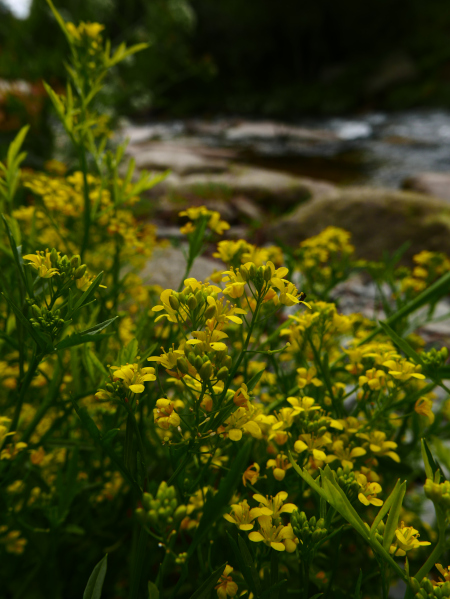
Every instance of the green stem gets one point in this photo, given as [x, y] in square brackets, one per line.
[274, 564]
[33, 366]
[87, 201]
[437, 551]
[138, 564]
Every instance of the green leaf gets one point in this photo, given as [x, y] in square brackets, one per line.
[385, 508]
[253, 583]
[394, 513]
[432, 468]
[78, 339]
[255, 380]
[94, 586]
[215, 504]
[308, 478]
[204, 591]
[15, 252]
[98, 327]
[15, 146]
[153, 592]
[60, 20]
[86, 295]
[357, 592]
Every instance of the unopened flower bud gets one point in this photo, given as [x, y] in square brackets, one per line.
[192, 303]
[206, 371]
[183, 365]
[198, 363]
[141, 515]
[75, 261]
[223, 373]
[180, 513]
[146, 500]
[36, 311]
[252, 271]
[174, 303]
[244, 273]
[80, 271]
[210, 311]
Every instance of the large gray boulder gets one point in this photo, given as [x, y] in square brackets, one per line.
[379, 219]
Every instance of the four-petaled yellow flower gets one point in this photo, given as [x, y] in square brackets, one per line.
[164, 414]
[379, 446]
[251, 475]
[403, 370]
[368, 491]
[406, 539]
[42, 263]
[243, 516]
[423, 408]
[307, 377]
[274, 506]
[279, 465]
[280, 538]
[133, 376]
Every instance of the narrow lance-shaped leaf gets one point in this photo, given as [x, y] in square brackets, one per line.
[385, 508]
[401, 343]
[94, 586]
[204, 591]
[394, 513]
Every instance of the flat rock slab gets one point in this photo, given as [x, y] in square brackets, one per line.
[379, 219]
[180, 157]
[264, 186]
[435, 184]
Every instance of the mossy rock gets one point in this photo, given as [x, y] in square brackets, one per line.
[379, 220]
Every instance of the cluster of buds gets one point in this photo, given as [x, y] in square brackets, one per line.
[434, 358]
[439, 493]
[312, 422]
[347, 480]
[46, 320]
[426, 590]
[208, 365]
[161, 512]
[309, 532]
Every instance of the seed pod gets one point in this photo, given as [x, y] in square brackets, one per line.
[80, 271]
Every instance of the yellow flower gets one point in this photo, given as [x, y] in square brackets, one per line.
[379, 445]
[274, 506]
[243, 419]
[133, 376]
[312, 444]
[345, 455]
[403, 370]
[374, 378]
[406, 539]
[226, 587]
[164, 414]
[280, 538]
[303, 404]
[307, 377]
[368, 492]
[42, 263]
[423, 407]
[279, 465]
[242, 515]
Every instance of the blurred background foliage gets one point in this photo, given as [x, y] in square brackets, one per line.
[254, 58]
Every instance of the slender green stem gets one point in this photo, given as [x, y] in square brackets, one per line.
[33, 366]
[139, 559]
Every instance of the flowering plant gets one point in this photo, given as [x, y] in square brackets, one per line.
[224, 438]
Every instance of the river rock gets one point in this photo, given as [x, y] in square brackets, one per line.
[435, 184]
[379, 219]
[168, 264]
[181, 157]
[268, 188]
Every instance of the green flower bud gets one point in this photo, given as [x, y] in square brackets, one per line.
[444, 353]
[75, 261]
[198, 363]
[174, 303]
[222, 374]
[427, 585]
[153, 517]
[267, 274]
[244, 273]
[180, 513]
[181, 298]
[36, 311]
[192, 303]
[182, 365]
[227, 361]
[146, 499]
[252, 271]
[206, 371]
[210, 311]
[437, 593]
[80, 271]
[191, 357]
